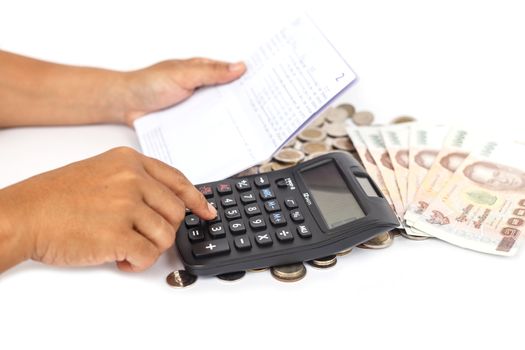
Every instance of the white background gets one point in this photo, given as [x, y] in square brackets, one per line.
[443, 61]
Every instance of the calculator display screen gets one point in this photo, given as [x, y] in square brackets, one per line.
[332, 195]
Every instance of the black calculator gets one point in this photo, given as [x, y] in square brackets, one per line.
[308, 211]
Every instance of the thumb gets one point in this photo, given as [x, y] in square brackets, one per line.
[202, 71]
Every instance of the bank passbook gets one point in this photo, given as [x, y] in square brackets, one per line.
[314, 209]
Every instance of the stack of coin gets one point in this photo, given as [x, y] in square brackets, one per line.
[324, 263]
[289, 273]
[383, 240]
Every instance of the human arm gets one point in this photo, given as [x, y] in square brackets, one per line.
[35, 92]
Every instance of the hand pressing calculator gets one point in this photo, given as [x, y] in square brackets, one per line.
[314, 209]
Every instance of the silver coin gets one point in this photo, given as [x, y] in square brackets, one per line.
[345, 252]
[231, 276]
[335, 129]
[363, 118]
[323, 263]
[312, 134]
[315, 147]
[289, 155]
[383, 240]
[350, 109]
[412, 237]
[289, 273]
[180, 279]
[403, 119]
[336, 115]
[343, 144]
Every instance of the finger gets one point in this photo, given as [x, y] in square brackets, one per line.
[140, 253]
[181, 186]
[154, 227]
[162, 200]
[202, 71]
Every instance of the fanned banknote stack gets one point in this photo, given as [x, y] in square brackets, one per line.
[451, 183]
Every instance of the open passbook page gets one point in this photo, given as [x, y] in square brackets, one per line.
[225, 129]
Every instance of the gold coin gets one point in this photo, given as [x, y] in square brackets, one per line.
[383, 240]
[298, 145]
[363, 118]
[250, 171]
[336, 129]
[180, 279]
[350, 109]
[407, 235]
[290, 143]
[315, 147]
[336, 115]
[289, 273]
[343, 143]
[259, 269]
[266, 167]
[289, 155]
[315, 155]
[312, 134]
[323, 263]
[279, 166]
[317, 122]
[345, 252]
[231, 276]
[403, 119]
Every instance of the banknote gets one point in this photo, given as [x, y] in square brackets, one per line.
[396, 142]
[369, 162]
[374, 141]
[456, 147]
[425, 142]
[482, 206]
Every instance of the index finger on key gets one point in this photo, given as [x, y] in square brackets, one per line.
[181, 186]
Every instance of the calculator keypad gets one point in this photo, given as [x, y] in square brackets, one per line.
[249, 216]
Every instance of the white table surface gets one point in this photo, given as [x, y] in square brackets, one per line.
[446, 61]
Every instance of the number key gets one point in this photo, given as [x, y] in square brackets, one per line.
[252, 209]
[228, 201]
[248, 197]
[237, 227]
[257, 223]
[232, 213]
[217, 231]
